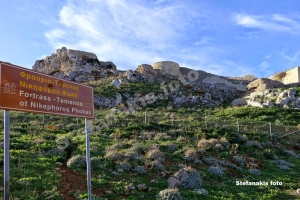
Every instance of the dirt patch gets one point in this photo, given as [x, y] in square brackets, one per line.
[74, 182]
[70, 182]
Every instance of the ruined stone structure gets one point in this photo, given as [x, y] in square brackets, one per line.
[191, 77]
[288, 76]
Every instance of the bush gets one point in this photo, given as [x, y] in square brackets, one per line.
[113, 154]
[125, 166]
[55, 152]
[194, 180]
[77, 162]
[155, 154]
[95, 163]
[255, 172]
[140, 170]
[169, 194]
[240, 160]
[157, 165]
[216, 171]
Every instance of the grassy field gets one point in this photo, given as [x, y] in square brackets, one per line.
[147, 147]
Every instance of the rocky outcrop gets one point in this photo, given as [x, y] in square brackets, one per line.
[190, 78]
[75, 65]
[262, 84]
[288, 77]
[108, 102]
[276, 97]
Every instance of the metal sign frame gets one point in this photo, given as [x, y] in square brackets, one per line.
[7, 132]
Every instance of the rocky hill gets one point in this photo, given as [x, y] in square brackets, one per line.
[164, 81]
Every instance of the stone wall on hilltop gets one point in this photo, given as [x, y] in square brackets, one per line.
[191, 77]
[288, 76]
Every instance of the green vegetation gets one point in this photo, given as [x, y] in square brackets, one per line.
[123, 154]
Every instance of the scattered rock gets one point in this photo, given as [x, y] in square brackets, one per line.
[154, 181]
[173, 182]
[262, 84]
[116, 84]
[141, 187]
[130, 187]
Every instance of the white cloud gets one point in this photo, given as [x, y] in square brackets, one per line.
[138, 32]
[128, 33]
[274, 22]
[292, 58]
[203, 41]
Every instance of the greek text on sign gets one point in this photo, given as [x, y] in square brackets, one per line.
[25, 90]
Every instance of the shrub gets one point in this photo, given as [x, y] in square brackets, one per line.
[219, 147]
[194, 180]
[284, 167]
[255, 172]
[253, 144]
[243, 138]
[162, 136]
[201, 191]
[191, 153]
[113, 155]
[124, 166]
[283, 162]
[55, 152]
[172, 147]
[155, 154]
[95, 163]
[210, 160]
[181, 139]
[169, 194]
[224, 142]
[132, 155]
[157, 165]
[139, 170]
[203, 144]
[77, 162]
[216, 171]
[240, 160]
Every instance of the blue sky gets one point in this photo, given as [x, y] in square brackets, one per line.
[229, 38]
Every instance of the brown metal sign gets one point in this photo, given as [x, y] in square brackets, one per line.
[26, 90]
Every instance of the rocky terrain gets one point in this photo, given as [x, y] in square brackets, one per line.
[179, 86]
[174, 140]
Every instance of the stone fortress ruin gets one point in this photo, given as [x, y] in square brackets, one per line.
[287, 77]
[193, 77]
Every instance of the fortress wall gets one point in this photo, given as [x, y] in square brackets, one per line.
[287, 77]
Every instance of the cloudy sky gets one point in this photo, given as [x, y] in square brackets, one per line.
[229, 38]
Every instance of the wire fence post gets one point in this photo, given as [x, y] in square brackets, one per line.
[270, 129]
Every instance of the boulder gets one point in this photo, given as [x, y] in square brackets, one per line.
[74, 65]
[147, 70]
[116, 84]
[173, 182]
[181, 175]
[263, 83]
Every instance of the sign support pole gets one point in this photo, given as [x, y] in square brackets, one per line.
[88, 160]
[6, 153]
